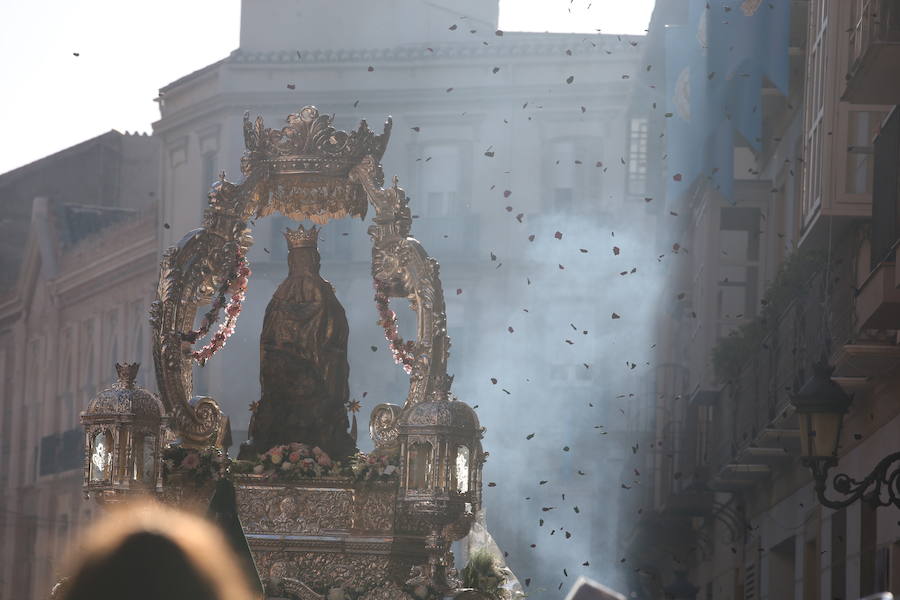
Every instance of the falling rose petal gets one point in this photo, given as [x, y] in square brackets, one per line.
[492, 484]
[507, 194]
[371, 68]
[519, 217]
[499, 33]
[677, 176]
[416, 129]
[510, 329]
[494, 380]
[458, 291]
[558, 235]
[616, 250]
[570, 79]
[374, 348]
[450, 89]
[562, 268]
[452, 27]
[529, 436]
[509, 209]
[583, 250]
[615, 316]
[291, 86]
[496, 69]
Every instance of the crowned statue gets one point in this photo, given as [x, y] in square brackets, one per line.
[303, 360]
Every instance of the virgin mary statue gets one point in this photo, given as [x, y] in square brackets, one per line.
[303, 360]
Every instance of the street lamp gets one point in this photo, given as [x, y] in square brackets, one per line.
[820, 406]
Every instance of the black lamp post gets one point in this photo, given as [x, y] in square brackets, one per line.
[820, 406]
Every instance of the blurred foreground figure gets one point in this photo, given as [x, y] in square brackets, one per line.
[587, 589]
[149, 552]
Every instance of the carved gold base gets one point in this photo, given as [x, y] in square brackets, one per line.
[328, 538]
[183, 493]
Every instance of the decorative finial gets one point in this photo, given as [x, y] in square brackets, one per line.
[127, 373]
[302, 237]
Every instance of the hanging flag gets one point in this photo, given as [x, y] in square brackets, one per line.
[684, 143]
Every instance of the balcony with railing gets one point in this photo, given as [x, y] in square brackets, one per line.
[808, 312]
[874, 49]
[878, 303]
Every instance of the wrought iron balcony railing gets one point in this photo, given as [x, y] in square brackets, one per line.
[874, 49]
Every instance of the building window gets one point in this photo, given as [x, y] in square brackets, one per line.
[439, 176]
[564, 177]
[209, 174]
[781, 570]
[862, 127]
[637, 156]
[738, 284]
[815, 109]
[839, 555]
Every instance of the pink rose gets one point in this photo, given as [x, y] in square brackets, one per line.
[308, 463]
[324, 460]
[302, 449]
[275, 457]
[294, 456]
[190, 461]
[317, 451]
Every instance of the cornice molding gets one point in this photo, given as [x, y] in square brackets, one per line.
[589, 44]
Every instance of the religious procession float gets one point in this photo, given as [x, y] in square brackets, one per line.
[310, 515]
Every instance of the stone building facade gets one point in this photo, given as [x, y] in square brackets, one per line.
[795, 267]
[74, 303]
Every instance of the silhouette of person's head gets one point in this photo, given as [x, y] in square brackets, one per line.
[149, 552]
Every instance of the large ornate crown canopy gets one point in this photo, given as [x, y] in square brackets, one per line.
[307, 164]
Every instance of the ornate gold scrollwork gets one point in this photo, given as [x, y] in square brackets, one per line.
[306, 170]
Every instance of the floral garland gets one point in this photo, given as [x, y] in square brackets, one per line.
[369, 467]
[402, 351]
[296, 461]
[199, 466]
[236, 283]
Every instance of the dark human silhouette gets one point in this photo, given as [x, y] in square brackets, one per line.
[149, 552]
[303, 371]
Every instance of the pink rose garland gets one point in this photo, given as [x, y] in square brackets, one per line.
[402, 351]
[237, 285]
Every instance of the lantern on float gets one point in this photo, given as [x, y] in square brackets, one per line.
[124, 428]
[440, 473]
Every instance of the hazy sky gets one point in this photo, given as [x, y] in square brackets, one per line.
[52, 99]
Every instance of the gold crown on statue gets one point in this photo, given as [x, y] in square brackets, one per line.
[302, 237]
